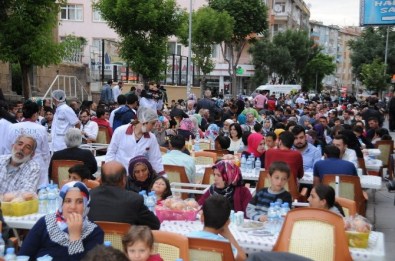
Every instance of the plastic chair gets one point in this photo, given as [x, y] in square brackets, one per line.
[349, 206]
[205, 158]
[60, 169]
[290, 186]
[386, 147]
[103, 136]
[208, 177]
[163, 150]
[207, 249]
[170, 245]
[113, 232]
[314, 233]
[204, 145]
[361, 164]
[176, 174]
[349, 188]
[220, 153]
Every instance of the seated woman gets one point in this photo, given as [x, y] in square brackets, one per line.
[66, 234]
[73, 140]
[228, 182]
[323, 196]
[236, 143]
[256, 147]
[141, 174]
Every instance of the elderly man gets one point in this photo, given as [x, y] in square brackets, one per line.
[64, 119]
[30, 127]
[18, 172]
[73, 140]
[112, 202]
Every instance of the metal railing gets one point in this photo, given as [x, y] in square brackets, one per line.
[71, 86]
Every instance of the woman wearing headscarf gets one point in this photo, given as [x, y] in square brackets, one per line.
[256, 147]
[228, 182]
[141, 174]
[136, 139]
[66, 234]
[186, 128]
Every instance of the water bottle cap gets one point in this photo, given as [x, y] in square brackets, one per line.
[10, 250]
[107, 243]
[272, 204]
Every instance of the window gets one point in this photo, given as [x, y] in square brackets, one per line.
[279, 7]
[97, 43]
[97, 16]
[174, 48]
[71, 12]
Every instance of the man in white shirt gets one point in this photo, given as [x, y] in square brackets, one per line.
[64, 119]
[176, 157]
[89, 129]
[39, 132]
[117, 90]
[345, 153]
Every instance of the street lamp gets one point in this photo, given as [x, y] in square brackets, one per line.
[189, 80]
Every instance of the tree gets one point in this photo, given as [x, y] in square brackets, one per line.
[26, 35]
[250, 18]
[315, 71]
[209, 27]
[373, 77]
[370, 46]
[291, 56]
[144, 26]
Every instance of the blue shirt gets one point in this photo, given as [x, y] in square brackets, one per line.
[310, 156]
[179, 158]
[209, 235]
[334, 166]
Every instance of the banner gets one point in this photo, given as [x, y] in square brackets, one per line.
[377, 12]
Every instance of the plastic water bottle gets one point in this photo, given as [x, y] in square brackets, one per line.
[10, 254]
[144, 194]
[42, 200]
[232, 217]
[257, 166]
[2, 246]
[277, 208]
[51, 205]
[196, 146]
[252, 162]
[271, 217]
[151, 201]
[248, 165]
[283, 213]
[107, 243]
[243, 163]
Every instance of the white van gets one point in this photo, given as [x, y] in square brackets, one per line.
[278, 89]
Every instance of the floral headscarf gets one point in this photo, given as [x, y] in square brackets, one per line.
[253, 142]
[231, 173]
[74, 185]
[187, 124]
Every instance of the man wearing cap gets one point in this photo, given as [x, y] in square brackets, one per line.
[64, 119]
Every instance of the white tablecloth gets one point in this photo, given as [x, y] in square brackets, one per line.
[22, 222]
[256, 243]
[367, 182]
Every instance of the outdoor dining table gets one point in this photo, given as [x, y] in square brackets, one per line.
[256, 241]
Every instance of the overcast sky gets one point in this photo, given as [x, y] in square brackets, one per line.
[336, 12]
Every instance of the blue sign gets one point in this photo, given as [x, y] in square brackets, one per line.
[377, 12]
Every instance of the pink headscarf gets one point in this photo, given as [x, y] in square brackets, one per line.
[253, 142]
[187, 124]
[231, 173]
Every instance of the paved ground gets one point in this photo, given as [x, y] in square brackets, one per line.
[382, 213]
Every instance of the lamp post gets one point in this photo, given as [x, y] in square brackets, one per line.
[189, 80]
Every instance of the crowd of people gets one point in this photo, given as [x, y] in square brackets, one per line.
[290, 135]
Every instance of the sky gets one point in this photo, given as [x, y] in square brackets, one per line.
[335, 12]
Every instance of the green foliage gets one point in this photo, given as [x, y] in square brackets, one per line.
[250, 21]
[315, 71]
[72, 45]
[144, 26]
[209, 27]
[292, 55]
[26, 35]
[370, 46]
[373, 76]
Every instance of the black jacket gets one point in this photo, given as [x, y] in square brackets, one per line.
[115, 204]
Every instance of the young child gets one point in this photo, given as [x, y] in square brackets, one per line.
[80, 172]
[279, 174]
[138, 243]
[215, 216]
[161, 186]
